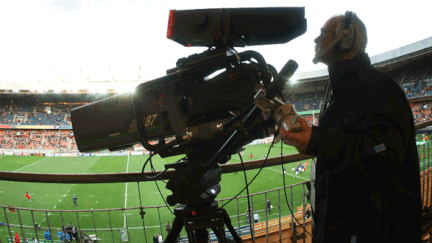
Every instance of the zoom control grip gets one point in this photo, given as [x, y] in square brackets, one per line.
[286, 117]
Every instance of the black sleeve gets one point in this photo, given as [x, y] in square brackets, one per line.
[378, 135]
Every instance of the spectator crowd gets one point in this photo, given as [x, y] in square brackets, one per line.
[37, 139]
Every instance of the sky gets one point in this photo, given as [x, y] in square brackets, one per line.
[72, 39]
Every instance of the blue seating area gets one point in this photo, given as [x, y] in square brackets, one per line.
[44, 119]
[306, 101]
[307, 105]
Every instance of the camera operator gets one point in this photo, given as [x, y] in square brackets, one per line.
[367, 186]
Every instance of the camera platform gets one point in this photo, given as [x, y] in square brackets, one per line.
[198, 219]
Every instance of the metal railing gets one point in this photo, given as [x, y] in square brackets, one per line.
[425, 174]
[134, 231]
[23, 219]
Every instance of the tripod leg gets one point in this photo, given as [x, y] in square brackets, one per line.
[201, 235]
[175, 231]
[220, 234]
[231, 229]
[216, 232]
[191, 236]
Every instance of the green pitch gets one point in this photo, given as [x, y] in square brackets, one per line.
[119, 195]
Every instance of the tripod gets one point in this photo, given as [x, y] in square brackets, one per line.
[197, 219]
[196, 179]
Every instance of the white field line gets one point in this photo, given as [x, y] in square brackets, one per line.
[127, 170]
[281, 172]
[30, 164]
[69, 190]
[273, 169]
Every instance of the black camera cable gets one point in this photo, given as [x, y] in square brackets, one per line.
[284, 186]
[247, 187]
[153, 177]
[248, 184]
[248, 199]
[262, 166]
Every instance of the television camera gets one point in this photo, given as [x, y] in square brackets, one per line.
[207, 107]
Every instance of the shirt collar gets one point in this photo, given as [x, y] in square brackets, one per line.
[338, 70]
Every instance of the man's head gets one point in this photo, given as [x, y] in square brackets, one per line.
[342, 37]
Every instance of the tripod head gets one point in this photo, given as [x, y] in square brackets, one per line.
[188, 187]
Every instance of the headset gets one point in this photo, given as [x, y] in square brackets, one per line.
[345, 35]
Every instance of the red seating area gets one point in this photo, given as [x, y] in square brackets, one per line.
[422, 111]
[36, 139]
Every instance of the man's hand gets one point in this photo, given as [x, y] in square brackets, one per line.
[300, 140]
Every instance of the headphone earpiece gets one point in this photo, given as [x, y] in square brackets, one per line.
[347, 31]
[344, 39]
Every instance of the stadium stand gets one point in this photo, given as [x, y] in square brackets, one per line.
[62, 139]
[48, 111]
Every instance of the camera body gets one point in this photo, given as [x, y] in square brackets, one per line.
[191, 99]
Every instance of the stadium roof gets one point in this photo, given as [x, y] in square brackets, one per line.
[70, 87]
[110, 84]
[416, 49]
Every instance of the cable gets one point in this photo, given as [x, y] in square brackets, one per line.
[152, 177]
[154, 171]
[262, 166]
[163, 198]
[142, 213]
[286, 199]
[247, 187]
[248, 200]
[151, 164]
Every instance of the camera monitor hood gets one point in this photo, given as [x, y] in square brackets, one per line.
[236, 27]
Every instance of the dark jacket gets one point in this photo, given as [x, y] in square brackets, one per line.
[367, 171]
[68, 230]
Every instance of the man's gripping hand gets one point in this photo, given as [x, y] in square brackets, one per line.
[300, 140]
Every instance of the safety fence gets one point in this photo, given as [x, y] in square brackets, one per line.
[288, 210]
[425, 174]
[89, 226]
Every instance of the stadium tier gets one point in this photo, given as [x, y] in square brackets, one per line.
[413, 74]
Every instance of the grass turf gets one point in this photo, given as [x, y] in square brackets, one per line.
[118, 195]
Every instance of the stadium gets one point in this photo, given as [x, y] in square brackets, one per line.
[41, 169]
